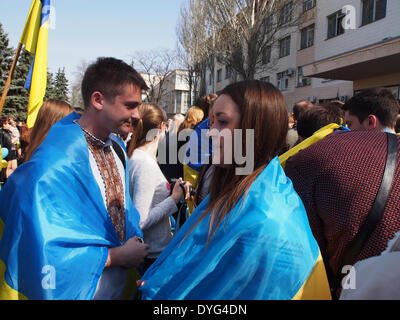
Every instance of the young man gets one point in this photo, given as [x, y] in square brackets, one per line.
[372, 109]
[69, 229]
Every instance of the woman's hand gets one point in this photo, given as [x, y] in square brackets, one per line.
[177, 191]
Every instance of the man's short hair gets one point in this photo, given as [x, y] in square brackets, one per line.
[299, 107]
[380, 102]
[314, 119]
[108, 76]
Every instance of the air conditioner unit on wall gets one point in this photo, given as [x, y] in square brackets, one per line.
[291, 71]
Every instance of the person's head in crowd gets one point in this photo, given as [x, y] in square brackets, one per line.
[299, 107]
[397, 127]
[150, 127]
[111, 92]
[254, 105]
[4, 122]
[372, 109]
[11, 122]
[206, 102]
[314, 119]
[335, 107]
[291, 119]
[50, 112]
[177, 120]
[193, 116]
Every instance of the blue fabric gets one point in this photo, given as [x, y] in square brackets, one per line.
[264, 251]
[55, 216]
[200, 145]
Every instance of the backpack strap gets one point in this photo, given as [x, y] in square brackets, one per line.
[119, 151]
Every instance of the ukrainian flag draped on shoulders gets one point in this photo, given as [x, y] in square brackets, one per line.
[264, 250]
[35, 39]
[54, 226]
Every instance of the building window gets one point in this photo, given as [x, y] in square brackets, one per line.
[308, 4]
[284, 47]
[269, 21]
[302, 80]
[266, 58]
[307, 37]
[265, 79]
[228, 72]
[186, 105]
[219, 75]
[283, 80]
[285, 14]
[335, 27]
[373, 10]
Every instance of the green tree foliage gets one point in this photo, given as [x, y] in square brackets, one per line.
[60, 85]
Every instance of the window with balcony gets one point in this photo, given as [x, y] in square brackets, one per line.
[307, 37]
[284, 47]
[373, 10]
[283, 80]
[302, 81]
[335, 27]
[308, 4]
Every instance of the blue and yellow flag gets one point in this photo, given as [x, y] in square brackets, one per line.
[35, 39]
[263, 250]
[54, 239]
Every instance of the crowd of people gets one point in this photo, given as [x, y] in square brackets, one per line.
[122, 202]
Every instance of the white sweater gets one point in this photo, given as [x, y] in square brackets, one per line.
[149, 190]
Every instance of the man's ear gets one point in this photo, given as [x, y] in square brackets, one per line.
[97, 100]
[372, 122]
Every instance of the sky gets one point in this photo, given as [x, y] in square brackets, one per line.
[87, 29]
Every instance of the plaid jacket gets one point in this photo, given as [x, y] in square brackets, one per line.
[338, 179]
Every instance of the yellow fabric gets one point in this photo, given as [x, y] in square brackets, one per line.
[318, 135]
[31, 30]
[131, 287]
[190, 175]
[39, 76]
[6, 292]
[316, 286]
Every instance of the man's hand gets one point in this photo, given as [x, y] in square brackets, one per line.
[129, 255]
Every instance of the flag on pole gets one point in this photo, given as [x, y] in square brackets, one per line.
[35, 39]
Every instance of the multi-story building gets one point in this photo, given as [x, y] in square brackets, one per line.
[176, 92]
[320, 59]
[358, 41]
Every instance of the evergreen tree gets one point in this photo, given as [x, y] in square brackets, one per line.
[6, 57]
[61, 85]
[50, 90]
[18, 97]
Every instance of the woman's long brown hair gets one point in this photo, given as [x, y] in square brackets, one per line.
[151, 116]
[263, 109]
[50, 112]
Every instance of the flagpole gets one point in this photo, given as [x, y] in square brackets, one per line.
[10, 75]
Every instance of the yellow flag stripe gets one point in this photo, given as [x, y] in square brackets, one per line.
[318, 135]
[316, 286]
[39, 76]
[31, 30]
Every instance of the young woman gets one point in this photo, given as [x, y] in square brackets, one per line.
[50, 112]
[148, 188]
[250, 237]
